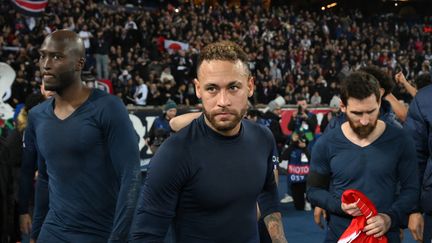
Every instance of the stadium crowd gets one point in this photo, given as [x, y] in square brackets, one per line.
[292, 52]
[296, 55]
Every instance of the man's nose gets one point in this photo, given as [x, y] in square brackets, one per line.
[223, 99]
[46, 63]
[365, 120]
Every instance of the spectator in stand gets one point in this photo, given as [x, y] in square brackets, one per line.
[141, 92]
[421, 81]
[303, 120]
[316, 99]
[101, 44]
[298, 156]
[332, 114]
[136, 37]
[271, 119]
[161, 126]
[166, 75]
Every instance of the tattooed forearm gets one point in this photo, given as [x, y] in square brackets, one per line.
[274, 226]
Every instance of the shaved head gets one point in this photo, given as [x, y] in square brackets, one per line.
[62, 58]
[69, 39]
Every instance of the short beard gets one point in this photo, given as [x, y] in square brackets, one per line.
[227, 125]
[64, 81]
[362, 131]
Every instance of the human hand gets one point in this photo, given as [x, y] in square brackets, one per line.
[32, 241]
[400, 78]
[317, 216]
[416, 226]
[25, 223]
[302, 144]
[377, 225]
[351, 209]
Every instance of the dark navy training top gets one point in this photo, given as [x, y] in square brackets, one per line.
[89, 171]
[208, 184]
[376, 170]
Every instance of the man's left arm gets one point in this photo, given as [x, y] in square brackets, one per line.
[268, 200]
[275, 228]
[407, 201]
[122, 142]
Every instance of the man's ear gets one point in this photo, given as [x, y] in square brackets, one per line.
[197, 88]
[251, 86]
[80, 64]
[342, 107]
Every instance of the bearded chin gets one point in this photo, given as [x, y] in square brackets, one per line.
[227, 125]
[363, 131]
[64, 81]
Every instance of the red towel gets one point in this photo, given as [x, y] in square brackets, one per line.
[354, 233]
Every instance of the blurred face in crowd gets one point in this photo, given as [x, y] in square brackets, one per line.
[303, 104]
[171, 113]
[224, 88]
[61, 60]
[362, 115]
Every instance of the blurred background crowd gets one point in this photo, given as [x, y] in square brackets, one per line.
[149, 54]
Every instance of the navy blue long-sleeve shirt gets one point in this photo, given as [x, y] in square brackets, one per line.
[89, 172]
[28, 167]
[375, 170]
[208, 184]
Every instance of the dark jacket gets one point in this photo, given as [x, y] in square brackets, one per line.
[419, 123]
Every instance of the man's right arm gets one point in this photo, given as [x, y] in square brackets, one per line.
[41, 194]
[158, 198]
[319, 179]
[27, 173]
[41, 200]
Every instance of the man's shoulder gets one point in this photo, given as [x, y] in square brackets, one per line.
[424, 94]
[102, 99]
[40, 109]
[251, 126]
[396, 134]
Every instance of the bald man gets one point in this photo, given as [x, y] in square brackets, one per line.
[88, 179]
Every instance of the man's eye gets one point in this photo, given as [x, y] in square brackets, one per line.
[57, 57]
[234, 88]
[211, 89]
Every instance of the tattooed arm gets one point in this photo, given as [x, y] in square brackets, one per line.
[274, 226]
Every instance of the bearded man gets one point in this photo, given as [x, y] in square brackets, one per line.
[366, 154]
[208, 177]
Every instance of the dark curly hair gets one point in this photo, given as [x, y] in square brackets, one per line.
[384, 80]
[223, 51]
[359, 85]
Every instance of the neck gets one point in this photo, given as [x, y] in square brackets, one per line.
[227, 133]
[353, 137]
[74, 95]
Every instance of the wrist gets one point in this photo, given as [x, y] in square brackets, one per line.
[387, 220]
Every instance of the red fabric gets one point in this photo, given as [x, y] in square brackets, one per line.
[32, 5]
[354, 233]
